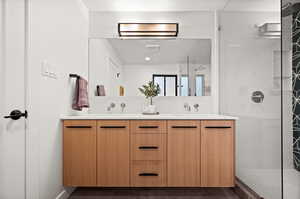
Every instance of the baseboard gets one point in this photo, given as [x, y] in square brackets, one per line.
[65, 194]
[245, 192]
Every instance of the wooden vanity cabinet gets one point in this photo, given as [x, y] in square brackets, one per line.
[149, 153]
[79, 153]
[113, 153]
[184, 153]
[217, 154]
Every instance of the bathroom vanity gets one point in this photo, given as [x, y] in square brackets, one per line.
[149, 151]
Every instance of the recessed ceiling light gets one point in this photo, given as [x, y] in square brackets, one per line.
[147, 58]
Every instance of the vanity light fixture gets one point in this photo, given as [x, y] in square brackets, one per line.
[157, 30]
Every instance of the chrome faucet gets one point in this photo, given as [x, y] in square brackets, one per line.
[111, 106]
[196, 106]
[123, 105]
[187, 107]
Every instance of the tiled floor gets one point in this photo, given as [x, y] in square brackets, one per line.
[158, 193]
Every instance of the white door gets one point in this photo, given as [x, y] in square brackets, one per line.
[12, 97]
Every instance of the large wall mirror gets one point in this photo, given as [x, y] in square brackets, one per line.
[181, 67]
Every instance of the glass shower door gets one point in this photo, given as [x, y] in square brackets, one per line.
[250, 89]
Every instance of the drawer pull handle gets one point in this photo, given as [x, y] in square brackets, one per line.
[113, 127]
[148, 147]
[148, 127]
[148, 174]
[79, 127]
[218, 127]
[184, 127]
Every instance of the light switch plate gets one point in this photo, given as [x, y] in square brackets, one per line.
[48, 70]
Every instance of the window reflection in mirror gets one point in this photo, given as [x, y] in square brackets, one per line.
[167, 83]
[184, 85]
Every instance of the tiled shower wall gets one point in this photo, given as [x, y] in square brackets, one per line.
[296, 89]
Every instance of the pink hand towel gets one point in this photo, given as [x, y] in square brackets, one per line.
[81, 99]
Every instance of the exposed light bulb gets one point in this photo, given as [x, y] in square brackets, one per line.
[147, 58]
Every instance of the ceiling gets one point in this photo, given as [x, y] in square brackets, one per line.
[182, 5]
[133, 52]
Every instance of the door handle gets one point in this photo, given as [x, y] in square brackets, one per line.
[16, 114]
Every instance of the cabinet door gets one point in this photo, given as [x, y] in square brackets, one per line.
[217, 154]
[79, 153]
[184, 153]
[113, 153]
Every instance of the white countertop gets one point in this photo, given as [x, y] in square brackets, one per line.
[149, 117]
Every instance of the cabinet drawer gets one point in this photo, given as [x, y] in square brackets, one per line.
[148, 146]
[148, 126]
[148, 173]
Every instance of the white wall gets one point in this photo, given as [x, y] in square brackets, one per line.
[58, 35]
[196, 25]
[247, 65]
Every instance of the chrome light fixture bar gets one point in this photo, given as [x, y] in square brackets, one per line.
[270, 30]
[146, 30]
